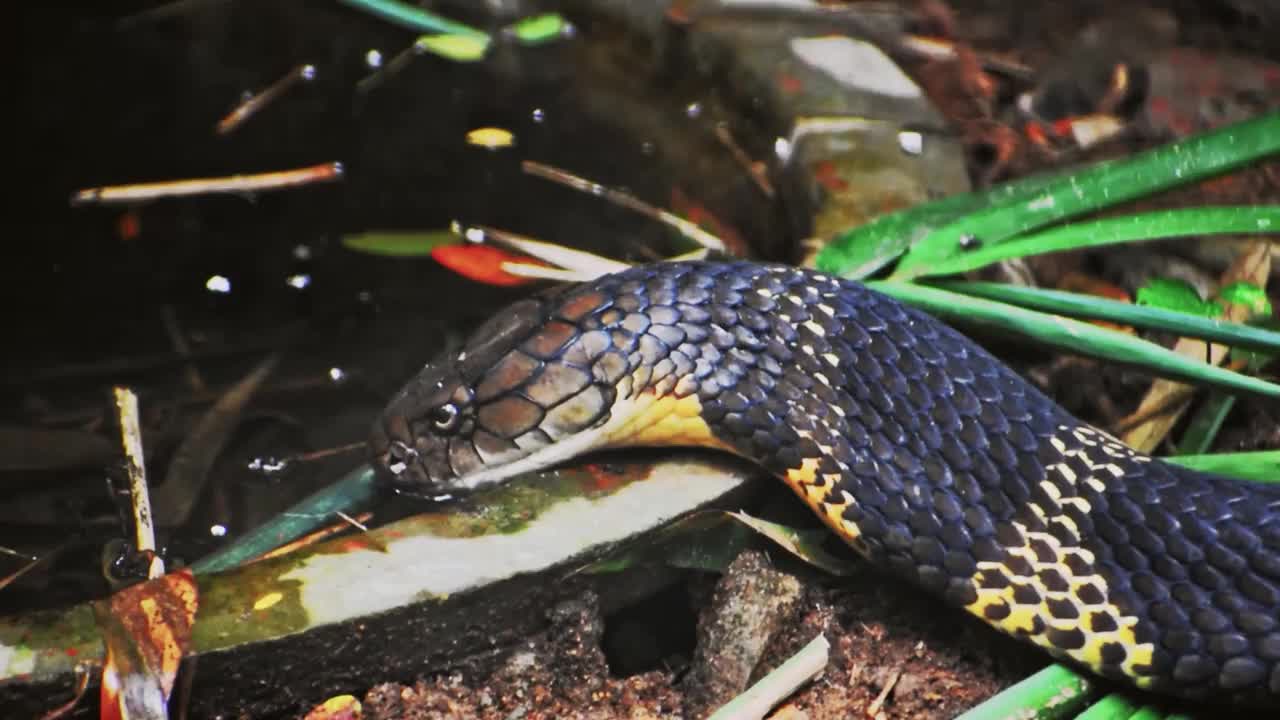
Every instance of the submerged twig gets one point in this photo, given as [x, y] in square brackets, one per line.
[144, 533]
[141, 192]
[195, 457]
[259, 100]
[31, 564]
[389, 69]
[623, 199]
[755, 169]
[163, 12]
[180, 345]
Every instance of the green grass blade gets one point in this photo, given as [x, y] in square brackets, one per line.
[399, 243]
[1073, 335]
[356, 488]
[539, 29]
[413, 18]
[1259, 466]
[458, 48]
[860, 251]
[1147, 712]
[1206, 424]
[1054, 693]
[1079, 305]
[1157, 225]
[1105, 185]
[1114, 706]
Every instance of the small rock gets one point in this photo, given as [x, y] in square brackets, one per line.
[751, 602]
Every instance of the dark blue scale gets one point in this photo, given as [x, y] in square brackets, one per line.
[1196, 558]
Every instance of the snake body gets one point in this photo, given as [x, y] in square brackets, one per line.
[925, 453]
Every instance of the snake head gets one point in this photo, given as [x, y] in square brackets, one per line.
[492, 410]
[411, 441]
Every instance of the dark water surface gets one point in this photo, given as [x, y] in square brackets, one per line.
[99, 104]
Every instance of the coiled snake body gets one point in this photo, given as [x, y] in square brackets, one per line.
[921, 450]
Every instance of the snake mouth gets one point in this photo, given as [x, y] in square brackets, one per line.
[393, 455]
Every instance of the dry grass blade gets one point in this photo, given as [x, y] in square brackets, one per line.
[775, 687]
[626, 200]
[1172, 398]
[135, 465]
[586, 264]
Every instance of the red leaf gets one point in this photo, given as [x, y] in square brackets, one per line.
[146, 629]
[482, 263]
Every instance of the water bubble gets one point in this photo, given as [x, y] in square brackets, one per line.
[268, 466]
[373, 59]
[538, 115]
[217, 284]
[217, 530]
[693, 109]
[308, 72]
[337, 374]
[301, 252]
[782, 148]
[969, 241]
[299, 281]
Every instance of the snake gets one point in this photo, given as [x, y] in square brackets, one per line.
[927, 455]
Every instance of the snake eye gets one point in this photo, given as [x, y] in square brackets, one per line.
[445, 416]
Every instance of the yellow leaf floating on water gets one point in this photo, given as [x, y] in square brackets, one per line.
[459, 47]
[491, 137]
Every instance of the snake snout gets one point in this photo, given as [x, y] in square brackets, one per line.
[392, 453]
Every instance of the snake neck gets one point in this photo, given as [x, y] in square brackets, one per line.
[934, 460]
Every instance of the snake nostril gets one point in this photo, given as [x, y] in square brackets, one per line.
[400, 456]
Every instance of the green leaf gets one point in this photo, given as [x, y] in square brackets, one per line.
[1205, 424]
[1177, 295]
[860, 251]
[804, 543]
[538, 29]
[459, 48]
[930, 257]
[1259, 466]
[1102, 186]
[1088, 306]
[355, 489]
[1054, 693]
[1243, 292]
[396, 243]
[1072, 335]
